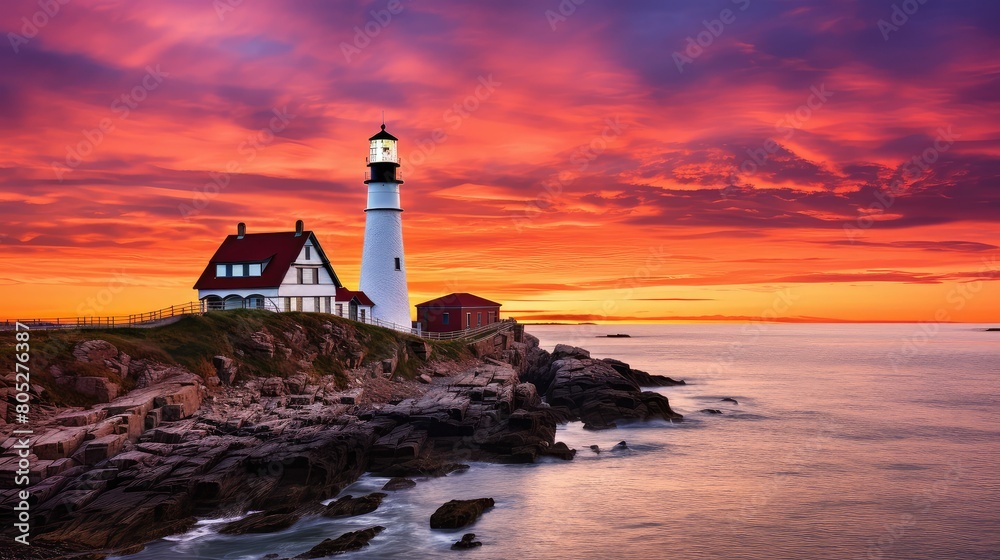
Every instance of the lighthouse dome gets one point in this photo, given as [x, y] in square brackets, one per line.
[383, 135]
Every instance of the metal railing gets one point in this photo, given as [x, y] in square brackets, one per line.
[115, 321]
[475, 334]
[152, 318]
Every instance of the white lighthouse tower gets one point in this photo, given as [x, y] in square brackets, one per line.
[383, 265]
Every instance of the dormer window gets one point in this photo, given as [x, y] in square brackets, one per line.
[238, 270]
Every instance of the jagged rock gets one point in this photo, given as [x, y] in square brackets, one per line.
[150, 372]
[639, 377]
[562, 351]
[595, 448]
[225, 369]
[459, 513]
[296, 384]
[354, 540]
[95, 351]
[711, 411]
[595, 392]
[424, 378]
[272, 387]
[526, 396]
[560, 450]
[350, 506]
[620, 445]
[398, 483]
[730, 399]
[101, 389]
[468, 541]
[262, 342]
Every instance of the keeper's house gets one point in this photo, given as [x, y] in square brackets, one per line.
[456, 312]
[282, 271]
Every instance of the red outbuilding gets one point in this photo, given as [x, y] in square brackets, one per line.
[455, 312]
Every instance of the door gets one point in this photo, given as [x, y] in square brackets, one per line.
[352, 310]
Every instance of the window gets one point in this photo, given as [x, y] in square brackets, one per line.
[316, 276]
[398, 264]
[308, 252]
[316, 304]
[340, 310]
[445, 318]
[308, 276]
[287, 305]
[479, 319]
[492, 317]
[254, 269]
[362, 315]
[298, 275]
[238, 269]
[326, 304]
[220, 270]
[298, 304]
[468, 320]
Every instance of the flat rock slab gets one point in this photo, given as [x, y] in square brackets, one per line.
[81, 418]
[59, 443]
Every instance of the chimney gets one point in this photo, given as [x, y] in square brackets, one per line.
[241, 230]
[298, 227]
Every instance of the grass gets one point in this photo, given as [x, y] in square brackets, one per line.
[194, 340]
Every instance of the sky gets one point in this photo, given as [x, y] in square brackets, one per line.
[577, 161]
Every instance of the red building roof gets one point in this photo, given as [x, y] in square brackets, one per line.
[459, 299]
[343, 294]
[278, 250]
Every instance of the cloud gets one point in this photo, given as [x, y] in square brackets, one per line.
[524, 190]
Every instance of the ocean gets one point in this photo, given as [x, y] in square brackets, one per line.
[872, 441]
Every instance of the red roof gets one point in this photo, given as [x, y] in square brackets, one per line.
[459, 299]
[279, 250]
[343, 294]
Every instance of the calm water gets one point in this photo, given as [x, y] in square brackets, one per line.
[849, 441]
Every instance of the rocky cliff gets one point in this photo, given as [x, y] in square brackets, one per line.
[252, 410]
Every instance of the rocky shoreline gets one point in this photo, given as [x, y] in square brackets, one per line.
[180, 445]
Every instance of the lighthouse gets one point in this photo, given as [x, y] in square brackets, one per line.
[383, 265]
